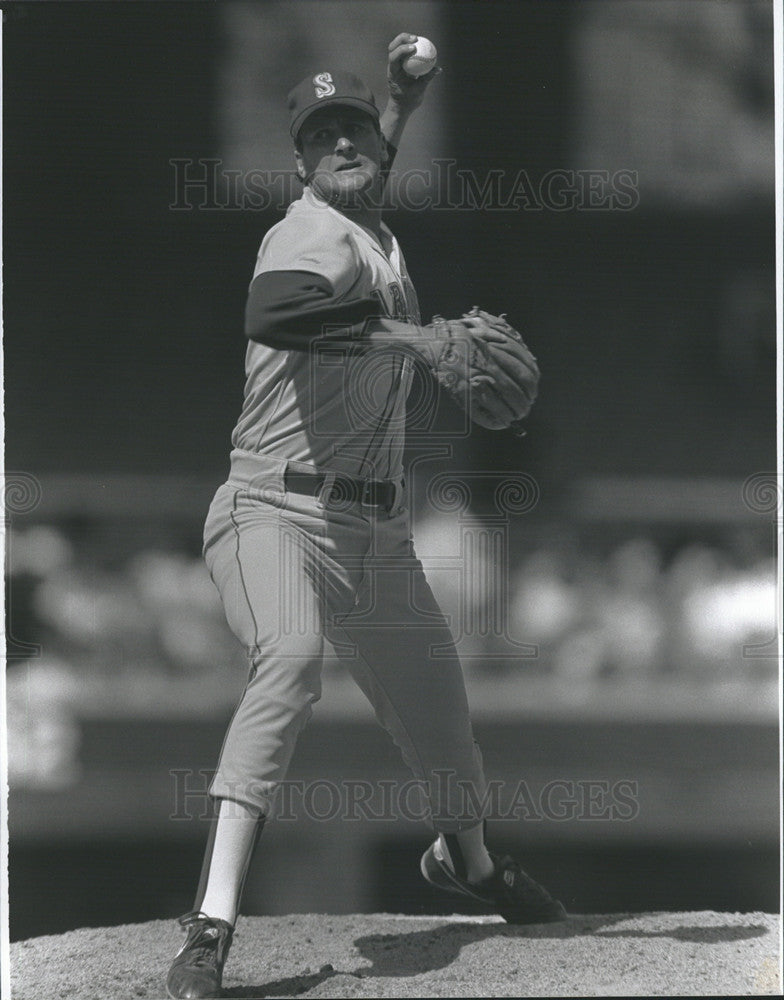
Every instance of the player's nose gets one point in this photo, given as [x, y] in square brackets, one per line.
[343, 145]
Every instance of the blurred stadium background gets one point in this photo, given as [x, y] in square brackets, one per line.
[645, 574]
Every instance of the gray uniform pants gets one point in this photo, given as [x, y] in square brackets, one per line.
[294, 574]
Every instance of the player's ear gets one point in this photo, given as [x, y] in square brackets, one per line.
[301, 171]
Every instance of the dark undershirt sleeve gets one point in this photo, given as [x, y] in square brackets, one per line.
[287, 310]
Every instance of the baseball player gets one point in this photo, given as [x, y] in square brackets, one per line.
[309, 540]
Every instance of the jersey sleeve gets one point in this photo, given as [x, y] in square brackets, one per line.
[310, 242]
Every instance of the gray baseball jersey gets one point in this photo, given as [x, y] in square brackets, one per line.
[330, 407]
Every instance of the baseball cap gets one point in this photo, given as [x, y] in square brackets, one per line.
[321, 89]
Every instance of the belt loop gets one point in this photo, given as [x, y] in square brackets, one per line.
[280, 476]
[365, 491]
[400, 493]
[267, 477]
[323, 497]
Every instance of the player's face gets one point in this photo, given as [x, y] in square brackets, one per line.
[341, 153]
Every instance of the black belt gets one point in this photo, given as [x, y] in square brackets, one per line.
[345, 489]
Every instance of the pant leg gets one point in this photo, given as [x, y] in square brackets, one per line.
[275, 580]
[407, 666]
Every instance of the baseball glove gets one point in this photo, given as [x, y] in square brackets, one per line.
[486, 368]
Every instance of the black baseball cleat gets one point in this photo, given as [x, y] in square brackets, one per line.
[197, 970]
[508, 891]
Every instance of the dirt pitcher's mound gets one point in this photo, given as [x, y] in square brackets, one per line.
[378, 955]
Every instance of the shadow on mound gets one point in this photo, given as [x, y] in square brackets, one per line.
[413, 953]
[695, 935]
[293, 986]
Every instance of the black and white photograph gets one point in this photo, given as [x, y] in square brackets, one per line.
[393, 501]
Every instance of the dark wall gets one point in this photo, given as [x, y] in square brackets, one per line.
[122, 339]
[123, 319]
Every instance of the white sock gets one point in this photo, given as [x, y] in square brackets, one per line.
[235, 837]
[471, 844]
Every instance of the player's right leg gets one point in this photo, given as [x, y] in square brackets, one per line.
[269, 572]
[270, 578]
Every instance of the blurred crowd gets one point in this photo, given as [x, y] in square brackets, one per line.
[145, 633]
[630, 606]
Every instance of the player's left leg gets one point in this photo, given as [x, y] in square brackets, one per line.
[405, 662]
[408, 667]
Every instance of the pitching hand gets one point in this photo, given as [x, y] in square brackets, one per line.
[406, 91]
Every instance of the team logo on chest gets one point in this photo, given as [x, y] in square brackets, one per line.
[399, 310]
[324, 85]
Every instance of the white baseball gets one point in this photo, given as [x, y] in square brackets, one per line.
[423, 60]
